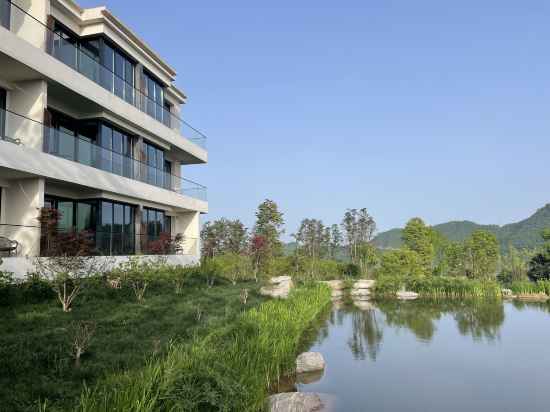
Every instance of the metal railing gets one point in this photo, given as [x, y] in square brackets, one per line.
[89, 66]
[18, 128]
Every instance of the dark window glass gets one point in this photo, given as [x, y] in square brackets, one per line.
[5, 12]
[107, 60]
[64, 46]
[166, 116]
[88, 59]
[168, 224]
[129, 69]
[2, 111]
[85, 216]
[107, 147]
[87, 133]
[119, 75]
[66, 210]
[117, 152]
[155, 97]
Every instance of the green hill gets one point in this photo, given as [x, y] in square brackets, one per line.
[523, 234]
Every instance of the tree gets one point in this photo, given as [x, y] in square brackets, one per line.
[453, 262]
[336, 240]
[311, 238]
[359, 227]
[539, 266]
[401, 262]
[223, 236]
[482, 254]
[367, 256]
[269, 226]
[418, 237]
[514, 265]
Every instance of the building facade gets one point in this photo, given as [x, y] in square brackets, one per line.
[91, 126]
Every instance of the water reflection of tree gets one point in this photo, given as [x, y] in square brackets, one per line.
[366, 335]
[416, 316]
[480, 319]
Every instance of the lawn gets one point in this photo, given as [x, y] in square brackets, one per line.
[36, 341]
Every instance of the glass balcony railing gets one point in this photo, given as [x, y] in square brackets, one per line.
[81, 60]
[79, 149]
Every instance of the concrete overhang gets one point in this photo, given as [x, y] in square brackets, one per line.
[19, 162]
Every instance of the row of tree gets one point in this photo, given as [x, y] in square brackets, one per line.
[425, 251]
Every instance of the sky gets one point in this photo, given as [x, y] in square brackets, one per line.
[408, 108]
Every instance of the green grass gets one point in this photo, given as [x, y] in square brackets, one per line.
[530, 288]
[35, 343]
[231, 369]
[437, 287]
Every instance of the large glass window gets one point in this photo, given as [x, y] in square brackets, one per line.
[74, 215]
[89, 58]
[116, 151]
[65, 46]
[154, 223]
[2, 112]
[155, 96]
[118, 74]
[154, 158]
[5, 13]
[117, 228]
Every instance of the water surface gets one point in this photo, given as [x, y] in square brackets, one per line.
[427, 356]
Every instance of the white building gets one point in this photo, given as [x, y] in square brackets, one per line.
[90, 124]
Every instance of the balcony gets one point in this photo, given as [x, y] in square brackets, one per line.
[28, 27]
[18, 129]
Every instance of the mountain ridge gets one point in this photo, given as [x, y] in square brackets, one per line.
[522, 234]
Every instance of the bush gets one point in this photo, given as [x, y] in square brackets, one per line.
[6, 287]
[234, 267]
[35, 289]
[351, 270]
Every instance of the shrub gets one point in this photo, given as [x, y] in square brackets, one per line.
[351, 270]
[6, 287]
[234, 267]
[35, 289]
[401, 262]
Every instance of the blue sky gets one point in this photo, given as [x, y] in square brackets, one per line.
[409, 108]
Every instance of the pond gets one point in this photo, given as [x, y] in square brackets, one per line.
[420, 356]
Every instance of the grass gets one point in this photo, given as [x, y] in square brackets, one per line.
[228, 370]
[438, 287]
[35, 343]
[530, 288]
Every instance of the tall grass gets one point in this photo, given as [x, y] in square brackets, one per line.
[228, 370]
[437, 287]
[530, 288]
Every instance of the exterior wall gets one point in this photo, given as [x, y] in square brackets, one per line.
[23, 200]
[188, 224]
[27, 99]
[64, 75]
[25, 26]
[38, 163]
[20, 266]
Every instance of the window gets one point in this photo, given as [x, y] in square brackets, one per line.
[154, 223]
[155, 96]
[5, 13]
[167, 117]
[65, 45]
[71, 139]
[116, 151]
[154, 158]
[88, 59]
[75, 215]
[118, 72]
[116, 229]
[2, 112]
[167, 175]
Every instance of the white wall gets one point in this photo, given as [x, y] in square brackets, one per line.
[20, 266]
[28, 99]
[25, 26]
[23, 200]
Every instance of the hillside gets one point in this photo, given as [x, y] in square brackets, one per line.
[522, 234]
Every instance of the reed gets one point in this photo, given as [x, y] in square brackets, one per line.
[530, 288]
[227, 370]
[438, 287]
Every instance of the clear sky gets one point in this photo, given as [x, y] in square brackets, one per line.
[426, 108]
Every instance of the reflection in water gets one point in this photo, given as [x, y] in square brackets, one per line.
[454, 348]
[366, 335]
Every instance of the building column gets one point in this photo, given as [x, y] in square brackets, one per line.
[28, 102]
[23, 200]
[188, 225]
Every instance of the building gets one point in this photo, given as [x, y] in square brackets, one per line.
[90, 125]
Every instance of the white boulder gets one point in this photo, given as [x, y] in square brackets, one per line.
[309, 362]
[295, 402]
